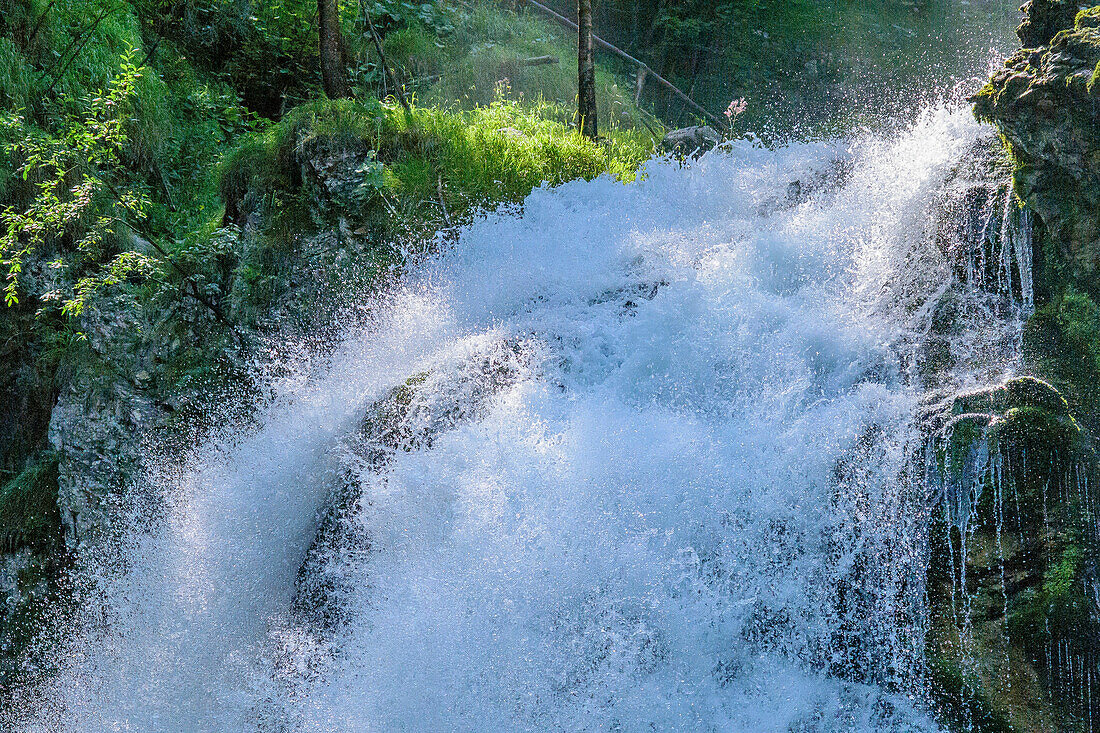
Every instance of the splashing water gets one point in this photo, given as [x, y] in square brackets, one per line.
[678, 500]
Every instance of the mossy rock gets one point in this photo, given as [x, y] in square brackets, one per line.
[1044, 18]
[1015, 393]
[29, 515]
[1012, 559]
[1044, 101]
[959, 705]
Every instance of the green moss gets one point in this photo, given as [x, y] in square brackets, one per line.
[984, 102]
[28, 506]
[268, 161]
[1038, 434]
[1063, 340]
[1087, 18]
[959, 704]
[1033, 392]
[965, 432]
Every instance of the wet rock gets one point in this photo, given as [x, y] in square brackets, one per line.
[1014, 632]
[28, 594]
[98, 438]
[691, 141]
[1044, 18]
[411, 416]
[1046, 102]
[934, 359]
[981, 226]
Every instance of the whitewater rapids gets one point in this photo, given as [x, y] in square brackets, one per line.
[690, 510]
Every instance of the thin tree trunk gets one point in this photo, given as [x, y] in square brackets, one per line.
[334, 73]
[586, 71]
[572, 25]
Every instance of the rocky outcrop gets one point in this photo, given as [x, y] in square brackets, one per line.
[411, 416]
[1044, 18]
[1014, 629]
[1046, 102]
[691, 141]
[1014, 632]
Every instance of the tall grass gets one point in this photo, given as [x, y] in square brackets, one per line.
[494, 153]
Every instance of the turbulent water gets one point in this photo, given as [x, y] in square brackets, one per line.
[653, 473]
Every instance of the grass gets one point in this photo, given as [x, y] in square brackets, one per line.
[491, 154]
[400, 177]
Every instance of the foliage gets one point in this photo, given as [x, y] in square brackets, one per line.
[77, 200]
[485, 53]
[800, 63]
[496, 153]
[434, 17]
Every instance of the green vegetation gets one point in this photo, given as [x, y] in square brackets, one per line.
[1063, 339]
[395, 177]
[28, 506]
[959, 705]
[494, 153]
[485, 56]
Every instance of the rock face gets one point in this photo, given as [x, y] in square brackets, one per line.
[1046, 102]
[691, 141]
[409, 417]
[1044, 18]
[1013, 641]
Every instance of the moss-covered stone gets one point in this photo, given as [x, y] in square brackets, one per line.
[1046, 104]
[1012, 637]
[1044, 18]
[29, 516]
[1015, 393]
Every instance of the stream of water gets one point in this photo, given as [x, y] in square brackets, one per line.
[652, 473]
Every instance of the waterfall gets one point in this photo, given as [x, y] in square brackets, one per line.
[634, 457]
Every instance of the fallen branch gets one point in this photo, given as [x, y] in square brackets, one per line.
[38, 24]
[641, 64]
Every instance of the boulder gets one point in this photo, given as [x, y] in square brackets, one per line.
[409, 417]
[691, 141]
[1044, 18]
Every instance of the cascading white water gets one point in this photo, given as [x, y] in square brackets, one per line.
[689, 509]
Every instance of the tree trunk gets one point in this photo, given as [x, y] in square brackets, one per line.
[586, 71]
[334, 73]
